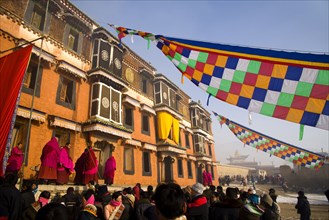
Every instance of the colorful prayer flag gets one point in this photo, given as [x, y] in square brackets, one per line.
[272, 146]
[286, 85]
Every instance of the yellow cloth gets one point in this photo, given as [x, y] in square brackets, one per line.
[175, 128]
[164, 124]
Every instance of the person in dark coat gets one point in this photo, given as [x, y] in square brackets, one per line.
[229, 208]
[10, 198]
[303, 206]
[72, 203]
[31, 212]
[267, 203]
[197, 208]
[52, 211]
[27, 195]
[170, 201]
[141, 205]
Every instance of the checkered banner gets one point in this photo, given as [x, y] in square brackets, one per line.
[286, 85]
[272, 146]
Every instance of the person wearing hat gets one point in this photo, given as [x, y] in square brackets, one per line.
[275, 207]
[89, 211]
[303, 206]
[267, 203]
[229, 207]
[197, 208]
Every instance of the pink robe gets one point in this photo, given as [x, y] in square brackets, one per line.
[65, 166]
[109, 171]
[65, 160]
[209, 177]
[15, 160]
[205, 178]
[49, 160]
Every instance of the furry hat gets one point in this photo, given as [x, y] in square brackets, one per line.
[131, 199]
[266, 199]
[198, 188]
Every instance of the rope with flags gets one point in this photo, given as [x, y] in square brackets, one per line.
[272, 146]
[286, 85]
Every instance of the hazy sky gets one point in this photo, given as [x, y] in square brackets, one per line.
[284, 25]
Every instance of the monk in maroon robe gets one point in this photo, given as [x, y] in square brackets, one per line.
[49, 160]
[79, 164]
[109, 171]
[15, 160]
[90, 169]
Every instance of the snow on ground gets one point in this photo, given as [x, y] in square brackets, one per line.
[314, 199]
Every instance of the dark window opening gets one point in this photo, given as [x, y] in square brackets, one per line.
[38, 17]
[144, 85]
[146, 164]
[129, 118]
[180, 167]
[145, 124]
[73, 39]
[189, 169]
[187, 140]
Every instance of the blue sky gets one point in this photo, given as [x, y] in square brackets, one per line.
[283, 25]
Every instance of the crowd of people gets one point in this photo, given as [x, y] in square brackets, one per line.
[168, 201]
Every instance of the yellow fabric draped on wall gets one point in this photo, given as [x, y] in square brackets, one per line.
[175, 127]
[165, 121]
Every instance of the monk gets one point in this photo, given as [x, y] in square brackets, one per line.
[78, 167]
[49, 160]
[109, 171]
[65, 166]
[205, 177]
[15, 160]
[90, 170]
[209, 177]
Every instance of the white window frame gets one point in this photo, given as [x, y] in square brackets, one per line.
[110, 100]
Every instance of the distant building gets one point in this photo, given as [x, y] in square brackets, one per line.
[240, 160]
[92, 89]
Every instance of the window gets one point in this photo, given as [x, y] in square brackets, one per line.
[187, 140]
[189, 169]
[129, 118]
[73, 39]
[129, 161]
[144, 85]
[38, 17]
[199, 144]
[209, 149]
[157, 93]
[66, 93]
[29, 80]
[212, 172]
[115, 106]
[180, 168]
[146, 164]
[195, 117]
[106, 103]
[145, 124]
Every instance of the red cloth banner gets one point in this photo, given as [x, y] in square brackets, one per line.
[12, 70]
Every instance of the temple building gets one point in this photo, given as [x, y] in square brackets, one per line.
[83, 86]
